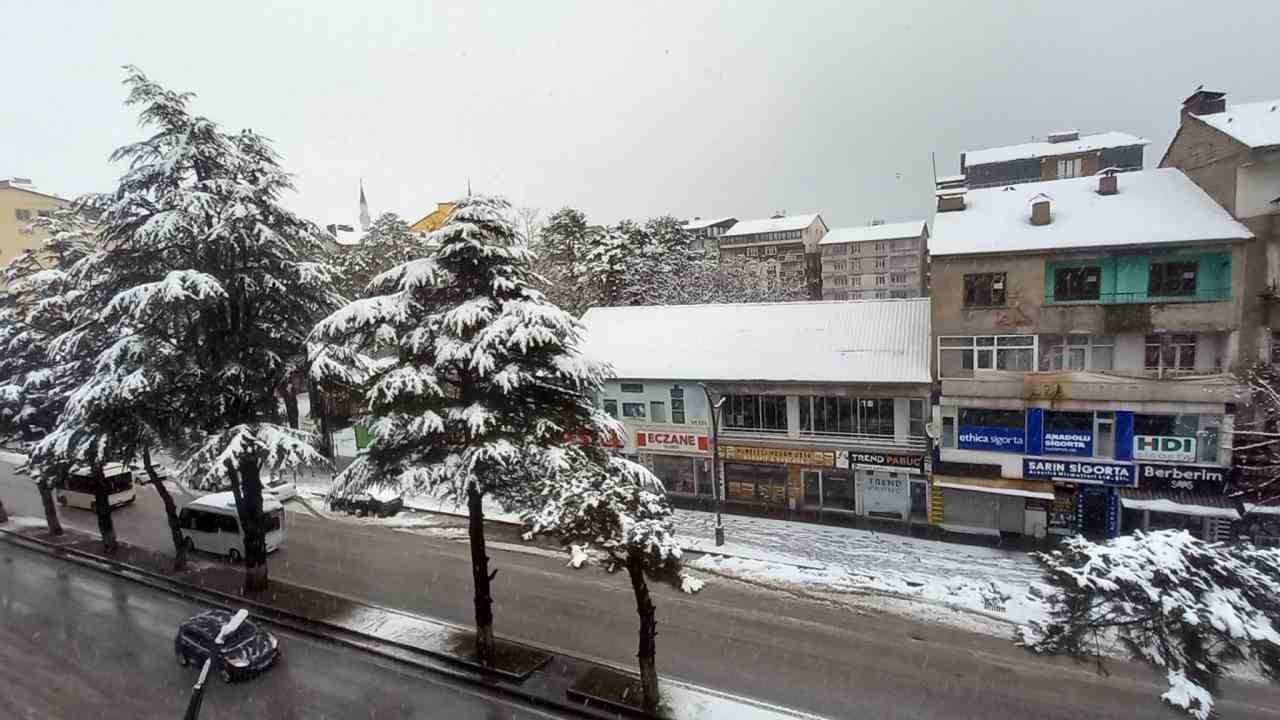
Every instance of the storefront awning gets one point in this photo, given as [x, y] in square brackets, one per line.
[1016, 488]
[1262, 509]
[1199, 505]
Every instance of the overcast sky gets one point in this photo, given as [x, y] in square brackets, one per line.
[623, 110]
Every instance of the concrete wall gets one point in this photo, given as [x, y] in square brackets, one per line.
[1208, 157]
[15, 236]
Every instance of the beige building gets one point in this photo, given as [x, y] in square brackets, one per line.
[20, 203]
[875, 262]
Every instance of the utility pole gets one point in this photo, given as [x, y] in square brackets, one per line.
[715, 462]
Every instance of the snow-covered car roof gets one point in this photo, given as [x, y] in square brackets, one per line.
[866, 341]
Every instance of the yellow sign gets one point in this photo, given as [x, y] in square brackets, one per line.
[778, 455]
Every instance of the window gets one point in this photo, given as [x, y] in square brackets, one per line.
[848, 416]
[44, 213]
[840, 266]
[904, 244]
[948, 431]
[1079, 283]
[632, 387]
[879, 279]
[916, 426]
[1170, 355]
[228, 524]
[205, 522]
[879, 248]
[611, 408]
[1076, 352]
[677, 405]
[1070, 168]
[755, 412]
[1104, 435]
[753, 252]
[22, 215]
[771, 250]
[657, 411]
[984, 290]
[898, 278]
[839, 280]
[856, 280]
[1172, 278]
[880, 263]
[633, 410]
[960, 356]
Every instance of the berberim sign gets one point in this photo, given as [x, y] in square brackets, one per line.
[1080, 471]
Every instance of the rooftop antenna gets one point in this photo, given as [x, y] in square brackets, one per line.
[468, 187]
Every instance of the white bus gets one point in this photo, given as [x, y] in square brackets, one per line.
[211, 524]
[75, 489]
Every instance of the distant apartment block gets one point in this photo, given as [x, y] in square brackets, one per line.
[706, 231]
[875, 262]
[788, 244]
[1061, 156]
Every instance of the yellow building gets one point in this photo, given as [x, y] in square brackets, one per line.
[19, 205]
[434, 219]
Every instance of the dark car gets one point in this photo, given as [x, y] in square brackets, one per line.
[362, 505]
[246, 652]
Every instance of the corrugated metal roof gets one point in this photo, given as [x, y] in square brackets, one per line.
[867, 341]
[1005, 153]
[1255, 124]
[889, 231]
[1151, 207]
[790, 222]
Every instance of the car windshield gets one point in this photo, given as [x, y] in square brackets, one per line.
[763, 359]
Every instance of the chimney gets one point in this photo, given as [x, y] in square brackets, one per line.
[950, 199]
[1064, 136]
[1204, 102]
[1107, 181]
[1040, 214]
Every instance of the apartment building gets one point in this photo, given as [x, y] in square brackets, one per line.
[1233, 154]
[20, 203]
[706, 231]
[1060, 156]
[876, 261]
[824, 403]
[787, 244]
[1083, 332]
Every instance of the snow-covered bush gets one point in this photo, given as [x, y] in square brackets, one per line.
[1187, 607]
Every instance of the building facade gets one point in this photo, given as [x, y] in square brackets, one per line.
[1061, 156]
[20, 203]
[706, 232]
[875, 262]
[1083, 331]
[786, 244]
[820, 419]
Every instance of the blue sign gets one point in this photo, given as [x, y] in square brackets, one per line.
[1097, 473]
[1000, 439]
[1068, 442]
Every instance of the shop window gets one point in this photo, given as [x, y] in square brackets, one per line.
[678, 474]
[611, 407]
[1077, 283]
[658, 411]
[984, 290]
[632, 387]
[919, 501]
[992, 430]
[633, 410]
[838, 492]
[755, 412]
[1172, 278]
[1068, 433]
[812, 480]
[677, 405]
[1170, 355]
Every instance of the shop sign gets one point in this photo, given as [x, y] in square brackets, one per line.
[1181, 477]
[889, 460]
[1098, 473]
[1000, 439]
[1164, 447]
[781, 456]
[1068, 442]
[671, 441]
[612, 440]
[885, 496]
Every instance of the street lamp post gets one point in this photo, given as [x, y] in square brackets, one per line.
[715, 463]
[197, 690]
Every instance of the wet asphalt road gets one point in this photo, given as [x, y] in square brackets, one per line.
[812, 656]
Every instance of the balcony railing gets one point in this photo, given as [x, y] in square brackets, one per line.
[1135, 297]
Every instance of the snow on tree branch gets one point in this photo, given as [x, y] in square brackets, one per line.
[215, 463]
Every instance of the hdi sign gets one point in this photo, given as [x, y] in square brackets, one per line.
[1164, 447]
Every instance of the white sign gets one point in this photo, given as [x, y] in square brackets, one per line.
[1164, 447]
[885, 496]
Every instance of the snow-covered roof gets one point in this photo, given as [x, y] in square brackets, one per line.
[226, 500]
[867, 341]
[1181, 503]
[888, 231]
[950, 179]
[1100, 141]
[698, 224]
[1255, 124]
[790, 222]
[1150, 207]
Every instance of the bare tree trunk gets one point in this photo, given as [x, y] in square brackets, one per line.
[50, 507]
[170, 512]
[291, 406]
[252, 527]
[102, 507]
[480, 575]
[4, 515]
[648, 633]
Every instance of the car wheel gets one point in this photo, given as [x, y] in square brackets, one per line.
[183, 660]
[226, 675]
[234, 555]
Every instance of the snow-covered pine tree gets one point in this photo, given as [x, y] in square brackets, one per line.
[1256, 440]
[480, 370]
[588, 496]
[206, 288]
[388, 243]
[1184, 606]
[41, 301]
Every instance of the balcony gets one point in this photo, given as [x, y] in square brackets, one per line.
[1136, 297]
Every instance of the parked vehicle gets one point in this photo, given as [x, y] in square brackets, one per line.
[281, 487]
[211, 524]
[76, 488]
[363, 505]
[246, 651]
